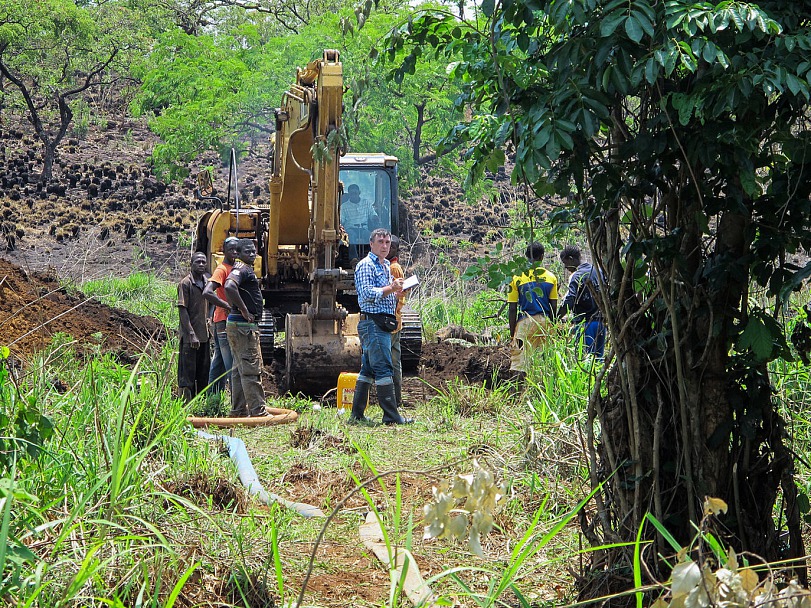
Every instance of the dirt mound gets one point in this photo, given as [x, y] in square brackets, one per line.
[440, 363]
[33, 308]
[443, 361]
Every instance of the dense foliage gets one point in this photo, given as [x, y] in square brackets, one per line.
[678, 133]
[220, 89]
[208, 74]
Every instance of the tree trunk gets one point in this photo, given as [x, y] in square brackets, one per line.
[684, 418]
[417, 143]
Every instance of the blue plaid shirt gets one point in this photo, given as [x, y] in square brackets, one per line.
[371, 275]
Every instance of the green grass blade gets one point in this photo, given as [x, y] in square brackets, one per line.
[170, 602]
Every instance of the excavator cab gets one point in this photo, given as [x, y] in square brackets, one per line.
[368, 201]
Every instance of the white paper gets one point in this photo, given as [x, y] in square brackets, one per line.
[410, 282]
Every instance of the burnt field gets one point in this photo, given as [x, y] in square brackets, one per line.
[105, 213]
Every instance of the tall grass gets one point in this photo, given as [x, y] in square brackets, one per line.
[85, 520]
[559, 379]
[140, 293]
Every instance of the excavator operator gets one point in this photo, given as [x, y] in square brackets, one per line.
[358, 217]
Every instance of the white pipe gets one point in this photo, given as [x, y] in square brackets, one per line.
[249, 478]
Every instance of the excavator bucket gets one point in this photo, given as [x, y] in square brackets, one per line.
[317, 351]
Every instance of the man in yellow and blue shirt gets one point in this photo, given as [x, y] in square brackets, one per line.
[535, 293]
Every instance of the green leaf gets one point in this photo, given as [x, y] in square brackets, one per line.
[803, 504]
[645, 21]
[739, 22]
[650, 70]
[793, 83]
[610, 23]
[606, 80]
[709, 52]
[686, 109]
[758, 338]
[542, 137]
[749, 183]
[633, 28]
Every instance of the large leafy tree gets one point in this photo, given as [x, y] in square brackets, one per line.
[54, 52]
[404, 116]
[218, 88]
[679, 132]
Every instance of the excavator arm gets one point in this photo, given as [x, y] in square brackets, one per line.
[305, 193]
[298, 233]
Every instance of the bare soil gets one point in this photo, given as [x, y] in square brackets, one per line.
[33, 308]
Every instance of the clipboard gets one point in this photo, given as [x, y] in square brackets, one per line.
[410, 282]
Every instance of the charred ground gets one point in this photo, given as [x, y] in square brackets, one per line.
[106, 213]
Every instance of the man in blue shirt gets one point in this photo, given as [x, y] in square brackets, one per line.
[377, 297]
[584, 284]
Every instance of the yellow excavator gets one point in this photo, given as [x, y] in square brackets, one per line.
[306, 256]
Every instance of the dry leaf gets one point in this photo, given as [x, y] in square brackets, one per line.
[714, 506]
[749, 579]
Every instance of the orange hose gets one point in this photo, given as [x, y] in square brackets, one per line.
[278, 416]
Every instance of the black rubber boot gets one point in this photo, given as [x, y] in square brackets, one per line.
[398, 392]
[387, 399]
[360, 400]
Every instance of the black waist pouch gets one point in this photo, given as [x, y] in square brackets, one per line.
[384, 321]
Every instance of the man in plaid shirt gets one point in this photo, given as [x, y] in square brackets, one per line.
[377, 297]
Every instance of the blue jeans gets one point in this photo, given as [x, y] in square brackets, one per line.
[223, 361]
[376, 362]
[592, 334]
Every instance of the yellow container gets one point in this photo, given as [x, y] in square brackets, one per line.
[346, 390]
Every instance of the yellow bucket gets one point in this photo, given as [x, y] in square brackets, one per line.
[346, 390]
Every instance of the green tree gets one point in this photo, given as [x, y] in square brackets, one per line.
[219, 89]
[679, 131]
[405, 116]
[52, 53]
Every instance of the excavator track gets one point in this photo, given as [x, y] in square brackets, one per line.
[267, 336]
[411, 340]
